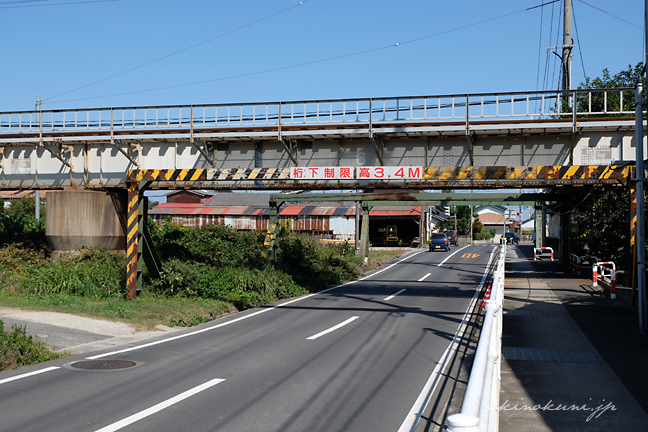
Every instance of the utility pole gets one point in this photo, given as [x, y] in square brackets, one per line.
[567, 45]
[471, 224]
[639, 191]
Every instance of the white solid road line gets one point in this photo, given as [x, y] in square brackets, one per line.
[211, 327]
[342, 324]
[159, 407]
[450, 256]
[387, 268]
[421, 280]
[413, 417]
[395, 294]
[25, 375]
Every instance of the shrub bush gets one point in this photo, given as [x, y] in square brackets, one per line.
[19, 349]
[96, 274]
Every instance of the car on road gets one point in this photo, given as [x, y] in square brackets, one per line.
[452, 237]
[512, 238]
[439, 241]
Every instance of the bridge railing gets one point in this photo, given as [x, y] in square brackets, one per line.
[480, 406]
[371, 111]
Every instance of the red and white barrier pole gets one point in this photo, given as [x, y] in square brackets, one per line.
[594, 276]
[534, 254]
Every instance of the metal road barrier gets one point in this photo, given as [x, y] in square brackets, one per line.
[535, 105]
[599, 274]
[543, 249]
[480, 407]
[574, 263]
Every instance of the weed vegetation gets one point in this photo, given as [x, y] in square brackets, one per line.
[19, 349]
[206, 272]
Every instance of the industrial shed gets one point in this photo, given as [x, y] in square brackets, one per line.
[250, 211]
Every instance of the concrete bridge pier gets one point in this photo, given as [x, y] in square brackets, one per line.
[79, 219]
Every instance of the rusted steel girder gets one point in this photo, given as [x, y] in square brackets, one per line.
[432, 177]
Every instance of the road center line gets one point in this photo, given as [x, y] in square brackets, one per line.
[421, 280]
[342, 324]
[159, 407]
[395, 294]
[216, 326]
[450, 256]
[25, 375]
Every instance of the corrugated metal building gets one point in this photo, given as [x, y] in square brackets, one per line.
[250, 211]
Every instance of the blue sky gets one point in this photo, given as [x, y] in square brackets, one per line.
[113, 53]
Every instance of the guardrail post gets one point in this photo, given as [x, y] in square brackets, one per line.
[463, 423]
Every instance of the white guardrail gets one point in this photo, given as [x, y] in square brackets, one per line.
[480, 407]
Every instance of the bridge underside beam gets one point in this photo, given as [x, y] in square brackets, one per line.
[432, 178]
[400, 198]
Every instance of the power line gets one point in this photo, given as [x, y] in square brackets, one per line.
[539, 48]
[608, 13]
[179, 51]
[545, 79]
[580, 48]
[557, 42]
[49, 4]
[338, 57]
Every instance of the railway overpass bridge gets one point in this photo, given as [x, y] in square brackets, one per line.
[470, 141]
[459, 141]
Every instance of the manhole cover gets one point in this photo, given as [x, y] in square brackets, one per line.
[103, 364]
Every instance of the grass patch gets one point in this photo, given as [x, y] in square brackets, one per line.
[206, 272]
[18, 349]
[379, 257]
[144, 313]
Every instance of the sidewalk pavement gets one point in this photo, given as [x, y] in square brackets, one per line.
[573, 359]
[75, 334]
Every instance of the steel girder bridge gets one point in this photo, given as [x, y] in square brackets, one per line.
[255, 145]
[470, 141]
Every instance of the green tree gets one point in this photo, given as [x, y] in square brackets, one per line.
[18, 224]
[608, 101]
[600, 221]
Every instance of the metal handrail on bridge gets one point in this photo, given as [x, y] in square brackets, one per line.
[535, 105]
[479, 409]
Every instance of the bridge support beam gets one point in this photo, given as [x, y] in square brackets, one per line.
[364, 231]
[139, 244]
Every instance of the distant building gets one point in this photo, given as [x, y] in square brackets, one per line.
[251, 211]
[493, 217]
[189, 196]
[13, 195]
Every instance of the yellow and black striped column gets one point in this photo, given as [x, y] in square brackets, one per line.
[132, 241]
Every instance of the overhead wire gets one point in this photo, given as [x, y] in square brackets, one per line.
[539, 51]
[548, 60]
[279, 68]
[179, 51]
[580, 48]
[608, 13]
[51, 4]
[557, 87]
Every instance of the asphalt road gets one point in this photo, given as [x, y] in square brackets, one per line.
[353, 358]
